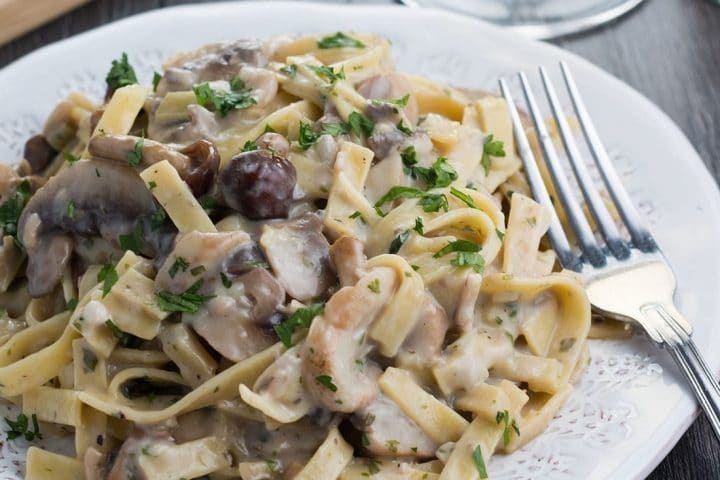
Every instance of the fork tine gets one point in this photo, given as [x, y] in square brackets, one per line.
[578, 222]
[557, 237]
[639, 233]
[609, 230]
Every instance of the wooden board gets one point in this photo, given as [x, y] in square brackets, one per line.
[20, 16]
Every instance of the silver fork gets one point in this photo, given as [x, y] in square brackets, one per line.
[625, 280]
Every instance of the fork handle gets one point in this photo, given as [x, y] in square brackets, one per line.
[682, 348]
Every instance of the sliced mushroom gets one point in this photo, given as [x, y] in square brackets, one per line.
[60, 126]
[39, 153]
[237, 321]
[349, 260]
[97, 464]
[299, 255]
[425, 343]
[175, 80]
[391, 433]
[108, 200]
[199, 123]
[197, 163]
[221, 61]
[126, 461]
[334, 366]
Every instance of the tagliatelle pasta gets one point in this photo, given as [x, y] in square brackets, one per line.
[284, 259]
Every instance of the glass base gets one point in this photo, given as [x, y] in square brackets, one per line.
[539, 18]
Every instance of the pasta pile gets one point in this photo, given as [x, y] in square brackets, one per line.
[285, 259]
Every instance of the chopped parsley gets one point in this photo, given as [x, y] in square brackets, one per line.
[195, 271]
[328, 73]
[189, 301]
[392, 445]
[491, 148]
[134, 240]
[71, 304]
[69, 157]
[355, 214]
[464, 197]
[223, 101]
[360, 125]
[307, 137]
[152, 184]
[458, 246]
[504, 417]
[334, 129]
[419, 226]
[289, 70]
[374, 285]
[566, 344]
[71, 210]
[400, 102]
[479, 462]
[409, 160]
[180, 264]
[268, 129]
[398, 192]
[500, 234]
[301, 318]
[108, 276]
[441, 174]
[406, 130]
[327, 382]
[339, 40]
[249, 146]
[11, 209]
[398, 242]
[121, 73]
[467, 259]
[227, 283]
[433, 202]
[236, 84]
[20, 428]
[125, 338]
[156, 80]
[374, 466]
[157, 219]
[135, 156]
[498, 320]
[90, 360]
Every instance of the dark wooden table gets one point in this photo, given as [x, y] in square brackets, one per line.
[667, 49]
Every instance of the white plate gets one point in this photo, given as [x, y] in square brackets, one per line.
[631, 406]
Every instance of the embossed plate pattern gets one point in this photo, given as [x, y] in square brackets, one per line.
[630, 406]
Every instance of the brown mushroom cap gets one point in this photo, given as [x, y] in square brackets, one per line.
[39, 153]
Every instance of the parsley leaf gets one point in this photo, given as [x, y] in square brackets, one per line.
[223, 101]
[180, 264]
[132, 241]
[90, 361]
[491, 148]
[374, 285]
[409, 160]
[433, 202]
[301, 318]
[500, 234]
[339, 40]
[71, 210]
[458, 246]
[249, 146]
[189, 301]
[11, 209]
[155, 80]
[334, 129]
[227, 283]
[360, 125]
[289, 70]
[398, 241]
[121, 73]
[236, 84]
[479, 462]
[69, 157]
[419, 226]
[406, 130]
[157, 219]
[328, 73]
[126, 339]
[108, 276]
[467, 199]
[306, 137]
[441, 174]
[19, 427]
[398, 192]
[326, 381]
[400, 102]
[468, 259]
[135, 156]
